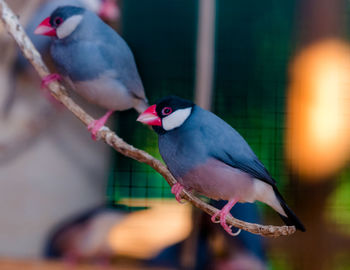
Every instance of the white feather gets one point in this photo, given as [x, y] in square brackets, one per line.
[176, 119]
[68, 26]
[264, 192]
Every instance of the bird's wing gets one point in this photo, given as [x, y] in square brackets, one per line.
[253, 166]
[108, 59]
[123, 63]
[228, 146]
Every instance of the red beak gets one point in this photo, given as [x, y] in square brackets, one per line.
[109, 10]
[150, 117]
[45, 28]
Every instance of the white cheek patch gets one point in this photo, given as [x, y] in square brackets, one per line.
[68, 26]
[176, 119]
[93, 5]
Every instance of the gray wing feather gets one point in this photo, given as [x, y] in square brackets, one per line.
[228, 146]
[123, 62]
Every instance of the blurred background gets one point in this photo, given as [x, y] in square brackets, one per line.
[277, 71]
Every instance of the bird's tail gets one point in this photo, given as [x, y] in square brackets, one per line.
[291, 219]
[141, 106]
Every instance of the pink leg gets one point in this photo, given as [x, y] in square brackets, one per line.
[213, 218]
[45, 82]
[49, 78]
[96, 125]
[176, 190]
[223, 214]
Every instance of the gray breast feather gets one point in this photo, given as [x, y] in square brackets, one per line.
[217, 180]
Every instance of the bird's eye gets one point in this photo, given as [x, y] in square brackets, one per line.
[166, 111]
[57, 21]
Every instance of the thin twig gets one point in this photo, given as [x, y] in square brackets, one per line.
[58, 91]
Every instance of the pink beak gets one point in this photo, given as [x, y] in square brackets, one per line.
[45, 28]
[150, 117]
[109, 10]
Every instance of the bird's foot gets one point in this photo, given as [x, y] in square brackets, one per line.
[50, 78]
[44, 84]
[176, 190]
[213, 218]
[223, 214]
[95, 126]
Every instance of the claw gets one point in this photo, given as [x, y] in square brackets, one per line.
[227, 228]
[44, 84]
[223, 214]
[213, 218]
[176, 190]
[236, 233]
[50, 78]
[95, 126]
[178, 197]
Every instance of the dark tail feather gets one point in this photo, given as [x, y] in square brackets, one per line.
[291, 218]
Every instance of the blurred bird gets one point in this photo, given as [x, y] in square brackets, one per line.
[207, 155]
[107, 9]
[94, 60]
[84, 236]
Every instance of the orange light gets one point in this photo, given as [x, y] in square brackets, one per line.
[143, 234]
[318, 121]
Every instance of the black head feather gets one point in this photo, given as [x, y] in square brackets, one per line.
[60, 14]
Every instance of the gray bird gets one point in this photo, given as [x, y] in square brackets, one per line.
[94, 60]
[207, 155]
[106, 9]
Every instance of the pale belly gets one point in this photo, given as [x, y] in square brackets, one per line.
[107, 93]
[217, 180]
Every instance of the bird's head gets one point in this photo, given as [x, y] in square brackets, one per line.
[62, 22]
[169, 113]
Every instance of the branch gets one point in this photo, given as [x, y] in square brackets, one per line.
[58, 91]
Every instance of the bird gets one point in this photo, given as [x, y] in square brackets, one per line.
[208, 156]
[95, 61]
[106, 9]
[84, 236]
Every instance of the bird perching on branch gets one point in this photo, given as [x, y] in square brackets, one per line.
[94, 60]
[207, 155]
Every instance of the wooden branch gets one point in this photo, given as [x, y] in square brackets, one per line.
[16, 31]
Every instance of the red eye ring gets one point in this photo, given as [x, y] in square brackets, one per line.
[58, 20]
[167, 111]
